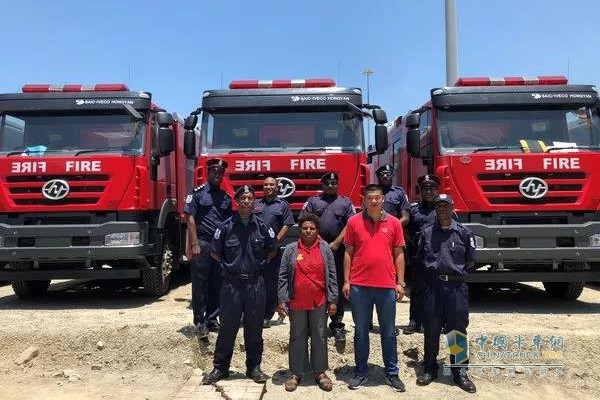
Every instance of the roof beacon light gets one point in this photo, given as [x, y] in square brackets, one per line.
[513, 81]
[282, 84]
[101, 87]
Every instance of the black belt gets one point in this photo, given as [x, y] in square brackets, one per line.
[446, 278]
[241, 277]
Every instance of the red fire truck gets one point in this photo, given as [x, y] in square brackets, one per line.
[92, 182]
[293, 130]
[519, 156]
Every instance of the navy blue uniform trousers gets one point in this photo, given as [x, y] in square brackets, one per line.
[271, 275]
[444, 303]
[239, 297]
[206, 282]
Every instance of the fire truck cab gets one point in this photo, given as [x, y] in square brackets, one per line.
[520, 157]
[92, 182]
[293, 130]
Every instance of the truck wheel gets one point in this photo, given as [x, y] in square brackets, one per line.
[156, 280]
[566, 290]
[28, 289]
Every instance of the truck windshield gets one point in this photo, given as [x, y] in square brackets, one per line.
[60, 134]
[504, 130]
[290, 132]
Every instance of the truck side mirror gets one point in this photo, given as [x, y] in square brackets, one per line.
[190, 122]
[379, 116]
[381, 139]
[189, 144]
[164, 118]
[413, 120]
[166, 141]
[413, 142]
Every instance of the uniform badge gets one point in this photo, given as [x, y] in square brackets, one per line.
[472, 240]
[217, 233]
[299, 257]
[271, 233]
[305, 205]
[189, 198]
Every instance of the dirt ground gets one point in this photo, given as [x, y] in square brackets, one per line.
[109, 341]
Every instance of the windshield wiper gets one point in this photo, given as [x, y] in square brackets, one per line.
[15, 152]
[550, 149]
[497, 148]
[249, 151]
[312, 149]
[93, 151]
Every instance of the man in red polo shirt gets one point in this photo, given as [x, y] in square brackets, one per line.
[374, 276]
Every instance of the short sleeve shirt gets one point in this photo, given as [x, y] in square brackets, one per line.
[210, 207]
[373, 243]
[275, 214]
[396, 200]
[333, 213]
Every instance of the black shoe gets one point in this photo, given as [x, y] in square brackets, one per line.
[465, 383]
[395, 382]
[202, 331]
[339, 335]
[266, 323]
[426, 378]
[214, 326]
[214, 376]
[410, 328]
[357, 382]
[257, 375]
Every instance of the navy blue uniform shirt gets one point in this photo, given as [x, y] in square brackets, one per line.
[209, 208]
[243, 248]
[421, 215]
[395, 201]
[446, 251]
[274, 214]
[333, 213]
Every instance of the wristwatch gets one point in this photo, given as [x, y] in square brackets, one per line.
[403, 284]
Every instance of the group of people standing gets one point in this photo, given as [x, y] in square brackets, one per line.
[240, 274]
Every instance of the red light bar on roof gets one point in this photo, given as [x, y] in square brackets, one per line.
[513, 81]
[101, 87]
[282, 84]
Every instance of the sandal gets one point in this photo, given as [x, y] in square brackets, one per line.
[292, 383]
[324, 382]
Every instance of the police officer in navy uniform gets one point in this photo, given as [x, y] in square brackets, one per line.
[447, 249]
[333, 211]
[422, 214]
[275, 213]
[395, 200]
[243, 245]
[206, 207]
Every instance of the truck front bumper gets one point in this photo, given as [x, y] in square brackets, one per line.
[536, 243]
[71, 243]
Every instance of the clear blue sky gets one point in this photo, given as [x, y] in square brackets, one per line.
[177, 49]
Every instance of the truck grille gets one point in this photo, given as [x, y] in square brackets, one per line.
[83, 189]
[503, 188]
[307, 184]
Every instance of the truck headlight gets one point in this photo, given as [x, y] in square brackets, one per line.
[479, 242]
[595, 240]
[122, 239]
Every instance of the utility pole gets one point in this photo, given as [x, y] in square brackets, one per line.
[451, 52]
[368, 72]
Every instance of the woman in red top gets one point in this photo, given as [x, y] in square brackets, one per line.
[308, 291]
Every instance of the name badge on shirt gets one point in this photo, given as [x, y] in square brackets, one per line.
[299, 257]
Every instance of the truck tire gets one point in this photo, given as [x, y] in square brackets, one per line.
[156, 280]
[28, 289]
[566, 290]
